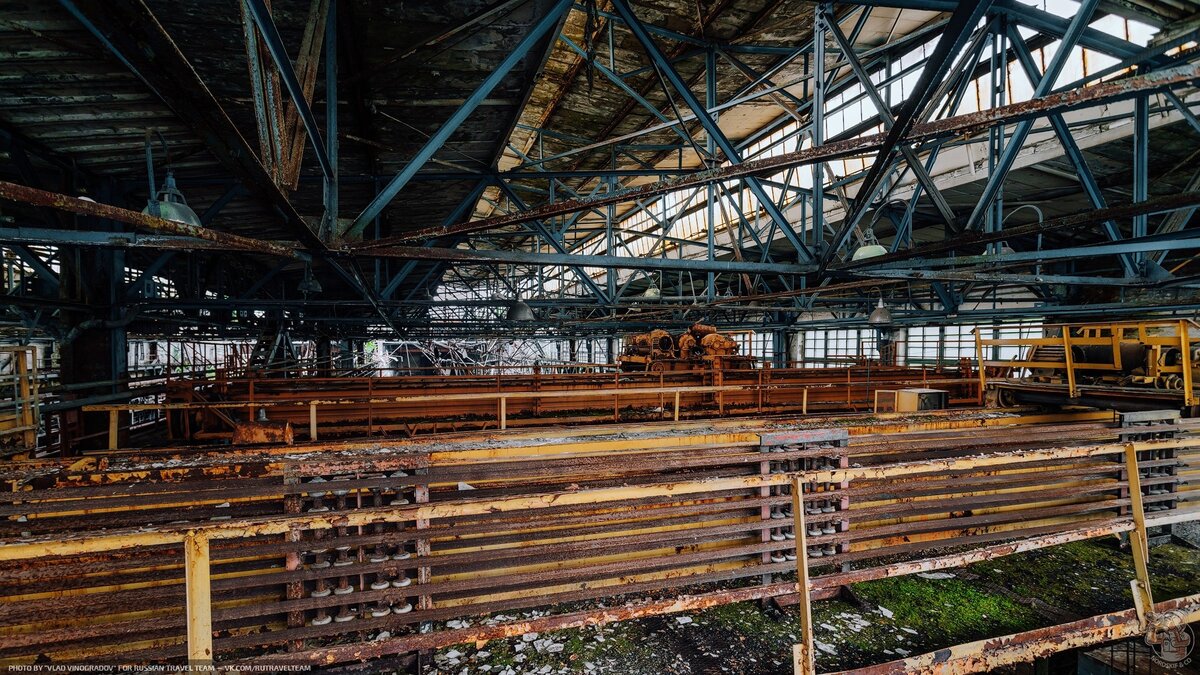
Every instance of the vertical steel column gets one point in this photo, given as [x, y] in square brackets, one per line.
[818, 128]
[330, 225]
[997, 94]
[1141, 167]
[1079, 24]
[198, 585]
[730, 151]
[710, 93]
[610, 215]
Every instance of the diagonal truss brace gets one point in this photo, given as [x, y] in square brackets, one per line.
[701, 112]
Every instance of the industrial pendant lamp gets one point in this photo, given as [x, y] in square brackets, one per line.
[518, 310]
[167, 203]
[652, 292]
[881, 316]
[868, 251]
[869, 248]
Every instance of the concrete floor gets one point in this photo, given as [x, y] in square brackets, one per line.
[878, 621]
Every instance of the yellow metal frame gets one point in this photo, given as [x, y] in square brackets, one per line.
[1118, 332]
[195, 539]
[1147, 618]
[26, 415]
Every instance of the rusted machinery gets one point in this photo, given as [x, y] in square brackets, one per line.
[340, 406]
[1144, 365]
[700, 347]
[334, 553]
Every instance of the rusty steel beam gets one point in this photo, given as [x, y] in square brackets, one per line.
[501, 256]
[281, 524]
[1171, 202]
[435, 640]
[986, 655]
[106, 618]
[959, 125]
[22, 194]
[131, 31]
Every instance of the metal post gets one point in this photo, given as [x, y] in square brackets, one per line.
[818, 127]
[979, 358]
[997, 97]
[1069, 360]
[113, 429]
[1141, 167]
[803, 659]
[1189, 396]
[1143, 601]
[27, 404]
[199, 599]
[331, 122]
[710, 82]
[312, 421]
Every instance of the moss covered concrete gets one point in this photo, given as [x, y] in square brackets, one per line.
[883, 620]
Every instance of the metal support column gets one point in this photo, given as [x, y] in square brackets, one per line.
[198, 586]
[1141, 167]
[330, 223]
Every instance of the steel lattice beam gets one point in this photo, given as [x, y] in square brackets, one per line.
[549, 21]
[966, 16]
[710, 125]
[1098, 94]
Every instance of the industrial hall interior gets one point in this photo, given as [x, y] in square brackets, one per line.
[600, 337]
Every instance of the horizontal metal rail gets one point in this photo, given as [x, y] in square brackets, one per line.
[573, 520]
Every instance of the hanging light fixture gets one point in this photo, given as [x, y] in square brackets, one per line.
[869, 248]
[652, 292]
[881, 316]
[868, 251]
[167, 203]
[518, 310]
